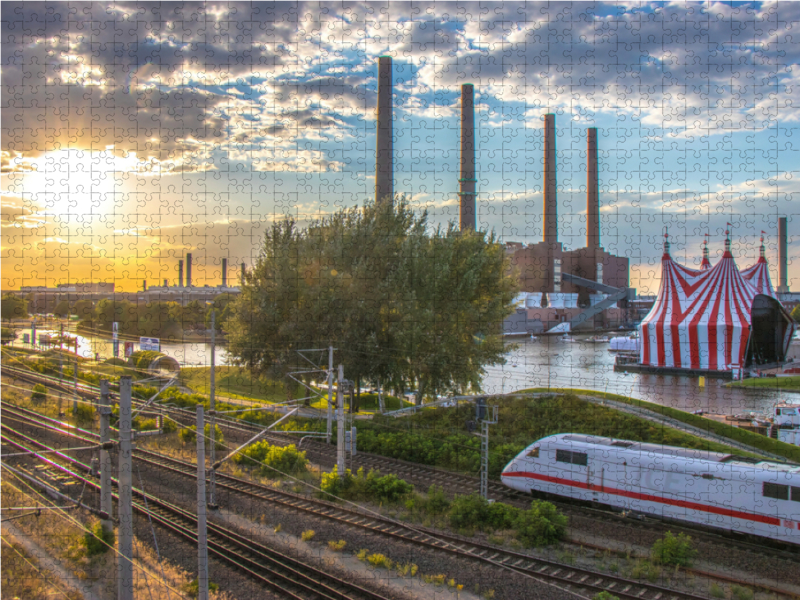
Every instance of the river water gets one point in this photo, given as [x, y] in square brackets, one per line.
[546, 362]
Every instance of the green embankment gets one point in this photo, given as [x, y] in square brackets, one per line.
[776, 384]
[439, 436]
[234, 382]
[737, 434]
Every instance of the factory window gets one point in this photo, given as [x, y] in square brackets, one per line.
[776, 490]
[795, 494]
[575, 458]
[535, 454]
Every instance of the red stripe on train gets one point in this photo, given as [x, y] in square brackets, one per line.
[650, 498]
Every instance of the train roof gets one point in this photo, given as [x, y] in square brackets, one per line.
[674, 451]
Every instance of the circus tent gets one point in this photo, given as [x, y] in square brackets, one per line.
[758, 274]
[712, 319]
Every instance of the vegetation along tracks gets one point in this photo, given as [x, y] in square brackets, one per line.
[580, 580]
[286, 576]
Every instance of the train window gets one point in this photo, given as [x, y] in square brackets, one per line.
[575, 458]
[775, 490]
[707, 476]
[795, 494]
[534, 453]
[622, 444]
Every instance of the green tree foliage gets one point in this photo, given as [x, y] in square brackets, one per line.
[189, 435]
[62, 309]
[7, 335]
[372, 486]
[83, 309]
[796, 313]
[221, 304]
[401, 303]
[673, 550]
[13, 307]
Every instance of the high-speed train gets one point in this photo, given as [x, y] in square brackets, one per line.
[717, 490]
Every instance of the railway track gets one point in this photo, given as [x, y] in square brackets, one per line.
[459, 483]
[288, 577]
[578, 580]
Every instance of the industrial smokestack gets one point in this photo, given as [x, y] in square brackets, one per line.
[166, 283]
[180, 273]
[384, 158]
[188, 270]
[592, 191]
[241, 276]
[144, 285]
[783, 247]
[550, 201]
[224, 272]
[467, 181]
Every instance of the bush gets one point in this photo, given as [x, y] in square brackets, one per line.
[147, 425]
[436, 503]
[189, 435]
[672, 550]
[308, 535]
[83, 413]
[287, 459]
[604, 595]
[468, 512]
[98, 540]
[540, 525]
[192, 589]
[389, 487]
[39, 393]
[337, 546]
[116, 362]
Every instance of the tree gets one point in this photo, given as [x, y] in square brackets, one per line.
[109, 311]
[7, 335]
[222, 304]
[193, 315]
[13, 307]
[62, 309]
[83, 309]
[400, 303]
[796, 313]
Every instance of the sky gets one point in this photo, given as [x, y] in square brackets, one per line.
[133, 133]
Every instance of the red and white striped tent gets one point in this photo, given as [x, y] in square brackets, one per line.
[758, 274]
[703, 319]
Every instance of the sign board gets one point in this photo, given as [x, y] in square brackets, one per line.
[26, 338]
[114, 340]
[128, 349]
[149, 344]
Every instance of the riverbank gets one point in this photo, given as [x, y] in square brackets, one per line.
[789, 384]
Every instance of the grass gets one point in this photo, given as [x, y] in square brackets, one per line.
[234, 382]
[769, 383]
[737, 434]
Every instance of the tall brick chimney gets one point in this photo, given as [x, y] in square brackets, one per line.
[550, 199]
[592, 191]
[188, 270]
[180, 273]
[384, 156]
[224, 272]
[467, 182]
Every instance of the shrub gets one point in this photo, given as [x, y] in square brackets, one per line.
[83, 413]
[380, 560]
[189, 435]
[501, 516]
[287, 459]
[467, 512]
[98, 540]
[116, 362]
[39, 393]
[389, 487]
[672, 550]
[192, 589]
[540, 525]
[644, 569]
[436, 503]
[307, 535]
[337, 546]
[604, 595]
[168, 425]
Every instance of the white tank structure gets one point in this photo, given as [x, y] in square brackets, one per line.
[723, 491]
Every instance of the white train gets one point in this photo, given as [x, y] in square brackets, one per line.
[710, 488]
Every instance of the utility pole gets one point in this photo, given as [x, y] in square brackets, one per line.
[330, 394]
[212, 484]
[486, 420]
[75, 379]
[61, 356]
[125, 561]
[202, 534]
[340, 423]
[106, 505]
